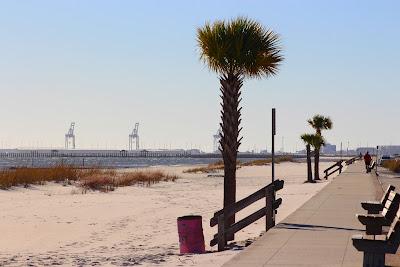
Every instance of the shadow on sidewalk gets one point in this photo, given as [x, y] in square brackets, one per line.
[309, 227]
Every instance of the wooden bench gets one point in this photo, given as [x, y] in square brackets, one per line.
[371, 166]
[376, 207]
[376, 246]
[374, 222]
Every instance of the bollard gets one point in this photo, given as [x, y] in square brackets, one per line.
[190, 231]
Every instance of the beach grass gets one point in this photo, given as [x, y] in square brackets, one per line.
[27, 176]
[212, 167]
[263, 162]
[393, 165]
[91, 178]
[219, 165]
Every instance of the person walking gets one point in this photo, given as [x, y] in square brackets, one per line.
[367, 160]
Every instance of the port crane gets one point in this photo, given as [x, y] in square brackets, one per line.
[134, 137]
[70, 137]
[217, 137]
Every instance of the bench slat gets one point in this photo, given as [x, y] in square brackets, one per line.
[385, 196]
[392, 195]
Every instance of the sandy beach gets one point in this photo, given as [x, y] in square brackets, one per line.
[58, 225]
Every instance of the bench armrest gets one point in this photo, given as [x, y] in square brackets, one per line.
[377, 219]
[373, 207]
[373, 244]
[373, 223]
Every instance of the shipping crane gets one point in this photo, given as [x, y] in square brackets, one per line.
[217, 137]
[70, 137]
[134, 137]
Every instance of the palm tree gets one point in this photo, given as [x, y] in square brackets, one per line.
[236, 49]
[308, 139]
[317, 142]
[319, 123]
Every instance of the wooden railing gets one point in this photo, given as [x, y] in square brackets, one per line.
[352, 160]
[267, 192]
[338, 166]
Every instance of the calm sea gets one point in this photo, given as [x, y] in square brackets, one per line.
[111, 162]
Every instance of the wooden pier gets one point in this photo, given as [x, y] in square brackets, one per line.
[179, 153]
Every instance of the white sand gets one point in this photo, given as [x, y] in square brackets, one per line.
[53, 224]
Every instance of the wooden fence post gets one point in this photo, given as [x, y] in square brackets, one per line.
[221, 232]
[269, 204]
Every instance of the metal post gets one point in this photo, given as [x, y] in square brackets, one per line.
[341, 150]
[376, 162]
[273, 144]
[270, 222]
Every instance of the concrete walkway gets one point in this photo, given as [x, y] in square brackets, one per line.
[318, 233]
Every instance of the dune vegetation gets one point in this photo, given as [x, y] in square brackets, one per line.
[212, 167]
[219, 165]
[263, 162]
[393, 165]
[91, 178]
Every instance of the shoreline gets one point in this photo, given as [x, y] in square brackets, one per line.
[52, 224]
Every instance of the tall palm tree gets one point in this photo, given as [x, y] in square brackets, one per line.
[308, 139]
[319, 123]
[236, 49]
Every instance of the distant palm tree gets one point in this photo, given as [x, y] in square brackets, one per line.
[317, 142]
[319, 123]
[308, 139]
[238, 49]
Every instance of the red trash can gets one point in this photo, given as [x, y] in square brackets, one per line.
[190, 231]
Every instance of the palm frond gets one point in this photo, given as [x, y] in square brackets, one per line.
[241, 47]
[315, 140]
[307, 138]
[320, 122]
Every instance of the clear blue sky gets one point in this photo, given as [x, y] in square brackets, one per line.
[108, 64]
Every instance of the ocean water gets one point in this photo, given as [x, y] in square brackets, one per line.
[109, 162]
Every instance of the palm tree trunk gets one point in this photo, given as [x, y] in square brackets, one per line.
[316, 165]
[230, 142]
[309, 168]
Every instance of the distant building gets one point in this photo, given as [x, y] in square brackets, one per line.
[351, 152]
[389, 150]
[363, 150]
[301, 152]
[328, 149]
[194, 151]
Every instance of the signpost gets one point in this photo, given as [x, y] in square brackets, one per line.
[272, 223]
[377, 159]
[273, 143]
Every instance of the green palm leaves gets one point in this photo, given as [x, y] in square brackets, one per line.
[241, 47]
[314, 140]
[319, 122]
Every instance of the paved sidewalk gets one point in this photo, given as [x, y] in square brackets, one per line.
[318, 233]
